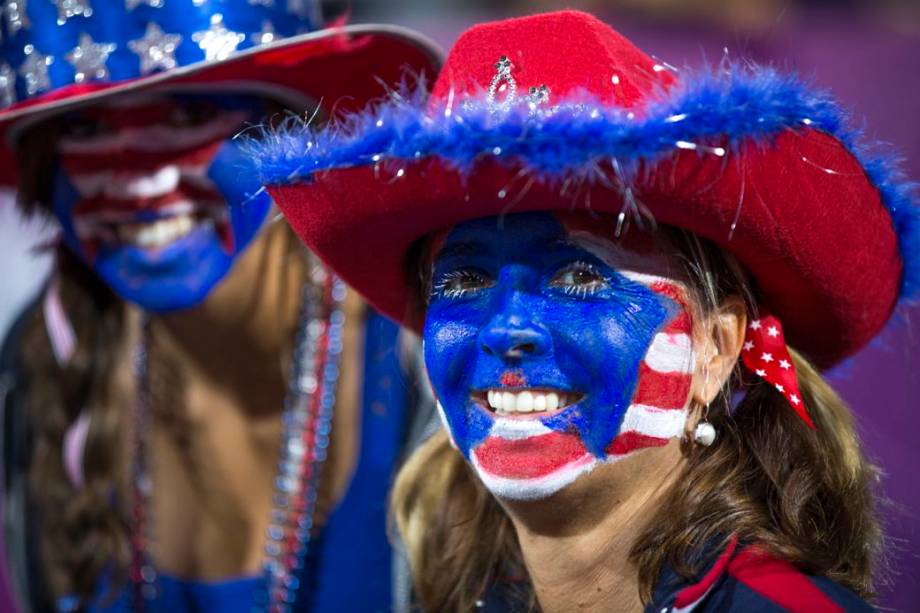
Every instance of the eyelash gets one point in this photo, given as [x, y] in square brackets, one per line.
[580, 291]
[442, 287]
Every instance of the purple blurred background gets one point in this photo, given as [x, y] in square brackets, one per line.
[866, 53]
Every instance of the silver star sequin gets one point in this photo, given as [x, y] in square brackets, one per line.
[16, 16]
[265, 35]
[34, 70]
[217, 42]
[7, 85]
[71, 8]
[502, 83]
[156, 49]
[89, 58]
[130, 5]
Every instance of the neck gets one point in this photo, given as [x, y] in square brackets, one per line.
[240, 335]
[576, 544]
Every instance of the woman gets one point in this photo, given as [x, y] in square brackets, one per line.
[605, 258]
[184, 335]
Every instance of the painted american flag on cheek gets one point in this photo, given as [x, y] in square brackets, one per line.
[657, 412]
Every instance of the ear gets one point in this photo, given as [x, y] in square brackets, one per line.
[719, 340]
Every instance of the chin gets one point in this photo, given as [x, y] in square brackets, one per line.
[534, 488]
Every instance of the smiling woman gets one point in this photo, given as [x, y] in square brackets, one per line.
[197, 414]
[624, 277]
[152, 193]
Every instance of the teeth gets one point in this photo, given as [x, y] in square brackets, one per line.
[157, 233]
[539, 402]
[527, 401]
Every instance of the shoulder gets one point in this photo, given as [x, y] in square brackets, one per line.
[749, 579]
[756, 581]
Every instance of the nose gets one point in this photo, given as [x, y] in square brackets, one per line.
[514, 338]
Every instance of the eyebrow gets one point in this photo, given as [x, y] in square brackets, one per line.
[458, 250]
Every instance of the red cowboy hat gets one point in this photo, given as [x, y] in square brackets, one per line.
[558, 111]
[53, 61]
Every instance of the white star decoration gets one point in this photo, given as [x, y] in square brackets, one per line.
[7, 85]
[217, 42]
[155, 49]
[794, 399]
[89, 58]
[773, 331]
[748, 345]
[755, 325]
[130, 5]
[761, 372]
[780, 388]
[34, 69]
[72, 8]
[785, 365]
[767, 357]
[265, 35]
[16, 16]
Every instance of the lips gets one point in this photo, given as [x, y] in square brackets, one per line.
[532, 457]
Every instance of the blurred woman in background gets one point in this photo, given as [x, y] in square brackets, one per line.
[169, 433]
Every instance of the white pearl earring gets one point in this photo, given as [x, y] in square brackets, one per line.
[704, 434]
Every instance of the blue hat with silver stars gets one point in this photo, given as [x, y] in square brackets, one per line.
[60, 54]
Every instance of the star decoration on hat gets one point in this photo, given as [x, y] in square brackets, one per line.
[156, 49]
[265, 35]
[72, 8]
[217, 42]
[7, 85]
[130, 5]
[34, 69]
[16, 16]
[89, 58]
[766, 355]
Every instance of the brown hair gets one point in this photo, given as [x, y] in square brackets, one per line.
[805, 495]
[82, 531]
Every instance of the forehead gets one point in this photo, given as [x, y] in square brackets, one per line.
[529, 236]
[151, 107]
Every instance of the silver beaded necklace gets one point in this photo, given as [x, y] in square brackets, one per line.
[306, 426]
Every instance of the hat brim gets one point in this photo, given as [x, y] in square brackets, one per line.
[826, 236]
[339, 68]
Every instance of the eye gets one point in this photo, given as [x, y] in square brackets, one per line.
[191, 113]
[80, 125]
[579, 279]
[458, 283]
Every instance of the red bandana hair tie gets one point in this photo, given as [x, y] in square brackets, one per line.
[766, 355]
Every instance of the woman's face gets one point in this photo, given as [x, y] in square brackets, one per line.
[155, 196]
[553, 350]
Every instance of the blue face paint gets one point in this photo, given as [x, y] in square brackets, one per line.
[519, 305]
[160, 204]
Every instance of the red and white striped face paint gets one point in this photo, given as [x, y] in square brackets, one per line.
[660, 404]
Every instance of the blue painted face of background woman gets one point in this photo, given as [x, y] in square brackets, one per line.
[533, 346]
[156, 196]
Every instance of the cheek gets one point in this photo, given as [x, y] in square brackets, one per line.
[448, 347]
